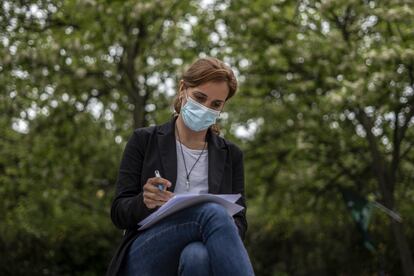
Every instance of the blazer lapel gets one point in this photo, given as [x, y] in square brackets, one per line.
[167, 147]
[216, 161]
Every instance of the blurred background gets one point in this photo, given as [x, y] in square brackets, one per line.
[324, 115]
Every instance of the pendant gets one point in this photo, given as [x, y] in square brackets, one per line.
[187, 184]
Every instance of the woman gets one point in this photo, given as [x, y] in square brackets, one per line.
[191, 158]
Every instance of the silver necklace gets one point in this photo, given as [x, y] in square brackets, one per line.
[187, 173]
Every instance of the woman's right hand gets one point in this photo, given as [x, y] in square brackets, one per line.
[153, 197]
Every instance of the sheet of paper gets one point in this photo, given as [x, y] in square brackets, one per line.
[182, 201]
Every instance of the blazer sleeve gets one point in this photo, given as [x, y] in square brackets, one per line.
[238, 187]
[128, 206]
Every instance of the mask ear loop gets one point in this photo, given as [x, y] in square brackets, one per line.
[181, 98]
[186, 94]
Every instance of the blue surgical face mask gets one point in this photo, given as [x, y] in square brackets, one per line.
[197, 116]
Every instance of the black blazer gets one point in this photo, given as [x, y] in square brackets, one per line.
[152, 148]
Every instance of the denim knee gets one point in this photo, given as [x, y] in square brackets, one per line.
[216, 209]
[194, 260]
[195, 253]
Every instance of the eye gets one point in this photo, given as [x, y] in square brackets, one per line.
[199, 99]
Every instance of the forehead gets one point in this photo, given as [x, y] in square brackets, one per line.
[213, 90]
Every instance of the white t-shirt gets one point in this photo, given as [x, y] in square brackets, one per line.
[199, 174]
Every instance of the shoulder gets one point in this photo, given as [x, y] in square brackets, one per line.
[234, 150]
[140, 136]
[145, 133]
[145, 130]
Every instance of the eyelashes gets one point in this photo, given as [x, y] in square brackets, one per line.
[201, 100]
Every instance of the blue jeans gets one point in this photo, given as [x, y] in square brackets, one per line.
[200, 240]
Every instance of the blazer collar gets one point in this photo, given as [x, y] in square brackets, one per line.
[216, 156]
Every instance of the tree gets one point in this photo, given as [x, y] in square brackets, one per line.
[333, 82]
[77, 77]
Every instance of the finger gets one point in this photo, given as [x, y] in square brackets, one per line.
[161, 195]
[159, 180]
[150, 188]
[154, 202]
[167, 194]
[155, 196]
[150, 203]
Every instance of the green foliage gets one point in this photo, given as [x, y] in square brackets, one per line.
[72, 74]
[56, 192]
[323, 83]
[321, 86]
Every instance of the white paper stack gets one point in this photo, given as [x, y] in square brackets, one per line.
[182, 201]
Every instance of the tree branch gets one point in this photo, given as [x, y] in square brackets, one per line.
[396, 149]
[378, 161]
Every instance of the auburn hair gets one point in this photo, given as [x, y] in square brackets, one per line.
[205, 70]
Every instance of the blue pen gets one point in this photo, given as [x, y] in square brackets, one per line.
[159, 186]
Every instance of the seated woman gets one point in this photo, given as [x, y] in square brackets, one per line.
[192, 158]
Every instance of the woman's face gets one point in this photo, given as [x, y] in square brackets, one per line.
[210, 94]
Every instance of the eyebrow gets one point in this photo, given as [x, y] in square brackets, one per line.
[205, 96]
